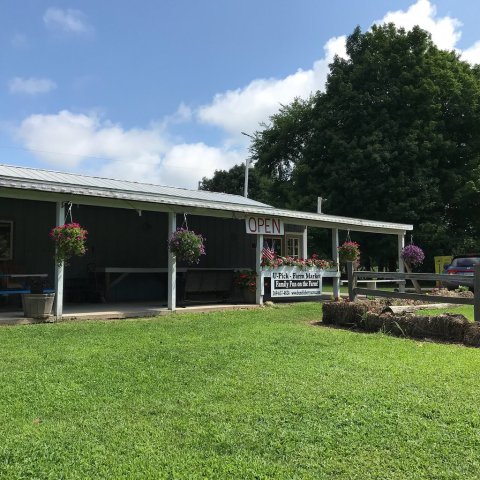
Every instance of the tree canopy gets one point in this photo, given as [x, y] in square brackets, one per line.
[233, 181]
[395, 136]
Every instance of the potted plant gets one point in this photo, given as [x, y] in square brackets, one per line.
[70, 240]
[37, 304]
[186, 245]
[246, 281]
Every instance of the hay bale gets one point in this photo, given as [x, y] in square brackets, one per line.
[370, 317]
[472, 335]
[385, 322]
[343, 313]
[446, 327]
[373, 322]
[402, 325]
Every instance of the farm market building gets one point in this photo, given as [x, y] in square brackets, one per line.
[129, 224]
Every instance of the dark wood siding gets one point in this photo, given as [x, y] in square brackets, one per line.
[121, 238]
[227, 243]
[32, 248]
[118, 238]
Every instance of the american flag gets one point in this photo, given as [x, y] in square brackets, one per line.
[268, 253]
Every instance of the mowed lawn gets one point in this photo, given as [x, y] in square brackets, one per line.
[242, 394]
[466, 310]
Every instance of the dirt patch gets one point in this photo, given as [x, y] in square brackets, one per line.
[444, 292]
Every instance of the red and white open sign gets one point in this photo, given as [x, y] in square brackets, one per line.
[264, 226]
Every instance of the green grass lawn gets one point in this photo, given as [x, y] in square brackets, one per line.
[466, 310]
[243, 394]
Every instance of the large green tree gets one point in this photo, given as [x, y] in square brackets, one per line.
[233, 181]
[395, 137]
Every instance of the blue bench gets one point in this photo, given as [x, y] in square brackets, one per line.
[20, 291]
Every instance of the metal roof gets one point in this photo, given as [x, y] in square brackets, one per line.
[196, 201]
[77, 180]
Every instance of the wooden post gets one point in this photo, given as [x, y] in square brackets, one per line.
[401, 265]
[336, 259]
[476, 288]
[351, 282]
[172, 266]
[59, 269]
[415, 283]
[258, 268]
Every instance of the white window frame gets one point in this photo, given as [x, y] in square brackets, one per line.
[273, 237]
[299, 241]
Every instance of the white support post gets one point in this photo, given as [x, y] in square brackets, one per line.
[336, 259]
[172, 266]
[401, 265]
[305, 243]
[258, 262]
[59, 220]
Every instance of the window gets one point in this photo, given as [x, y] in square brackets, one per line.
[273, 243]
[293, 247]
[6, 240]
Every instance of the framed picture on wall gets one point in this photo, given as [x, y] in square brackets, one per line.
[6, 240]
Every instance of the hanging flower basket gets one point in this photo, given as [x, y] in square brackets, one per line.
[186, 245]
[413, 255]
[349, 251]
[69, 241]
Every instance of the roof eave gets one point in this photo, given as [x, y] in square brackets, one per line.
[96, 196]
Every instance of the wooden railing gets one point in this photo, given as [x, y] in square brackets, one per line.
[474, 281]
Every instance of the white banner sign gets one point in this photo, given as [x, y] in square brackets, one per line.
[296, 283]
[264, 226]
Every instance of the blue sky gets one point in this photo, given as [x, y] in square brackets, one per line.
[159, 91]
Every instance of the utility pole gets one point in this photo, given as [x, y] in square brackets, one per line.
[247, 165]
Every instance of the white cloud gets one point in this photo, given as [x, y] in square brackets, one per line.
[80, 136]
[472, 54]
[31, 86]
[186, 164]
[183, 114]
[67, 21]
[444, 30]
[244, 108]
[72, 141]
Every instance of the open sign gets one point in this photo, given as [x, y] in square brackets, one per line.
[264, 226]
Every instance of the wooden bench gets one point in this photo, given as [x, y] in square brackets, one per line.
[213, 282]
[372, 283]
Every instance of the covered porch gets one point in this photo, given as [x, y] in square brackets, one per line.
[129, 225]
